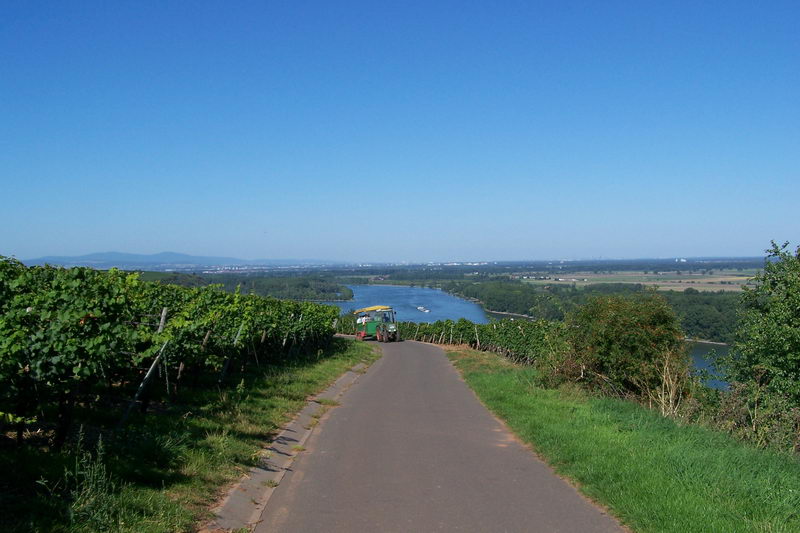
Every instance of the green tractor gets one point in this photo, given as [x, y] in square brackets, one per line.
[378, 321]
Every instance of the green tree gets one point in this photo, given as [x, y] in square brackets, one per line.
[767, 348]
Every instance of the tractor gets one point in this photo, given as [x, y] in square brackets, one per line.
[378, 321]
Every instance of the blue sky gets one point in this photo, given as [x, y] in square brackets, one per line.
[405, 131]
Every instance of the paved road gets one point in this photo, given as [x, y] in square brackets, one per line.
[412, 449]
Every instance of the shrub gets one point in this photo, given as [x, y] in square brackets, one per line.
[631, 346]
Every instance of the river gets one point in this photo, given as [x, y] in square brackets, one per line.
[405, 300]
[701, 352]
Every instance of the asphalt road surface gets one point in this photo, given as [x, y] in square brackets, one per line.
[412, 449]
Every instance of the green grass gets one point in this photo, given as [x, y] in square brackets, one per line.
[653, 474]
[167, 468]
[327, 402]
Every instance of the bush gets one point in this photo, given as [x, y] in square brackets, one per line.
[631, 346]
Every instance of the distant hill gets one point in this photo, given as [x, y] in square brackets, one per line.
[163, 261]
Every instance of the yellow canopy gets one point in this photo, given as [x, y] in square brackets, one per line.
[373, 308]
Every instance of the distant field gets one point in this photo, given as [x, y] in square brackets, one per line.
[727, 280]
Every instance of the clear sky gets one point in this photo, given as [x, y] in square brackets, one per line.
[399, 131]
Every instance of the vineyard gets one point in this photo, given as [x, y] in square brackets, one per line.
[522, 341]
[75, 339]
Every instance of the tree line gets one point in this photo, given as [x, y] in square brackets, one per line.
[703, 315]
[289, 287]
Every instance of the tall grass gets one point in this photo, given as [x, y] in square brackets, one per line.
[651, 472]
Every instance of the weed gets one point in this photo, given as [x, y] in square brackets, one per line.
[89, 490]
[328, 402]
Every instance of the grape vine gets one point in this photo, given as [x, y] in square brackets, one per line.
[82, 337]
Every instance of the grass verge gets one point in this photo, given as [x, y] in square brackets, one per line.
[653, 474]
[165, 469]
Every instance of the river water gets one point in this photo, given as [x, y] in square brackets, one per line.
[701, 353]
[405, 300]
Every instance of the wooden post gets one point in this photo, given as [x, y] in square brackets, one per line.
[166, 373]
[415, 333]
[286, 337]
[143, 385]
[163, 320]
[144, 397]
[161, 325]
[477, 338]
[178, 378]
[182, 365]
[228, 359]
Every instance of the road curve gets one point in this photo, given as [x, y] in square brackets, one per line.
[412, 449]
